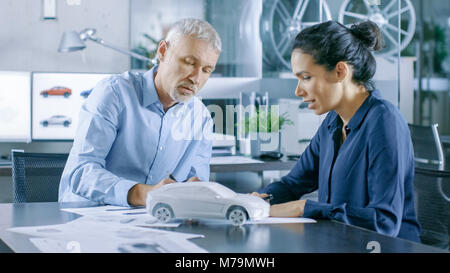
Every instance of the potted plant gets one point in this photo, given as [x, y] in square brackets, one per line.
[147, 51]
[264, 129]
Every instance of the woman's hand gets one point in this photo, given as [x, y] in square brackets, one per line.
[260, 195]
[288, 209]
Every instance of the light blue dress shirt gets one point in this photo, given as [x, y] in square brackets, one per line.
[124, 137]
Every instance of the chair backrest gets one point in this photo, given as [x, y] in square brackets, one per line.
[36, 176]
[432, 201]
[427, 145]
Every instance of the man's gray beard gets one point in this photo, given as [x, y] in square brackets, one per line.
[176, 96]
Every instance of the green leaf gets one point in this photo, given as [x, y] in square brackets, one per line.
[267, 122]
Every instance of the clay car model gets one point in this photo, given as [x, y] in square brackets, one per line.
[57, 120]
[204, 200]
[57, 91]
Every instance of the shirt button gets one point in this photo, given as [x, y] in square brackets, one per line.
[160, 147]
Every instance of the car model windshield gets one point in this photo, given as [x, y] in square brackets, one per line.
[223, 191]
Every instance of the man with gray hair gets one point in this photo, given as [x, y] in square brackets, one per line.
[124, 145]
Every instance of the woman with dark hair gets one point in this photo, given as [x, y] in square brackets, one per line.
[361, 158]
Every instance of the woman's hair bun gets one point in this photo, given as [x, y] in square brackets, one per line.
[368, 33]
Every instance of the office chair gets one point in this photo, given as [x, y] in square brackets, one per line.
[36, 176]
[432, 189]
[427, 145]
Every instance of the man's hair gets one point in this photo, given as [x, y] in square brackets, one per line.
[195, 28]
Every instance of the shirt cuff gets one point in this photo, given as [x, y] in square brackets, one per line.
[118, 195]
[314, 209]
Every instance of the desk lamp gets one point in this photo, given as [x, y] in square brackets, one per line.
[74, 41]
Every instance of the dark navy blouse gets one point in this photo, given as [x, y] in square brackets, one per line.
[366, 181]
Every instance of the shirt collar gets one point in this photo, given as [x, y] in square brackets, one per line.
[334, 121]
[358, 117]
[150, 95]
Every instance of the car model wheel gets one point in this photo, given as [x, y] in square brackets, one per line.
[45, 94]
[66, 124]
[237, 216]
[66, 94]
[163, 213]
[45, 123]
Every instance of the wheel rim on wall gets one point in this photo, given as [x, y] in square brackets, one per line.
[281, 21]
[385, 15]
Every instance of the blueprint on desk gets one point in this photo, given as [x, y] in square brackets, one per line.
[90, 235]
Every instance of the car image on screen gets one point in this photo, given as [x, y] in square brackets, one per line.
[204, 200]
[57, 91]
[86, 93]
[57, 120]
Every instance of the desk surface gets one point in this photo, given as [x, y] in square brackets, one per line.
[323, 236]
[420, 167]
[445, 139]
[265, 165]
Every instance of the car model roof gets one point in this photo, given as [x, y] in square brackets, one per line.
[211, 185]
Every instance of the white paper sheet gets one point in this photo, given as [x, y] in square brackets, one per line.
[282, 220]
[88, 235]
[47, 245]
[136, 216]
[233, 160]
[102, 210]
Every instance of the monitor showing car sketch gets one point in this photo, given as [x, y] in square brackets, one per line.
[15, 105]
[57, 99]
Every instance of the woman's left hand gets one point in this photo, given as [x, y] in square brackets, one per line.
[288, 209]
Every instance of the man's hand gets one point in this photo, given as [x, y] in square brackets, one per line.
[137, 195]
[193, 179]
[161, 183]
